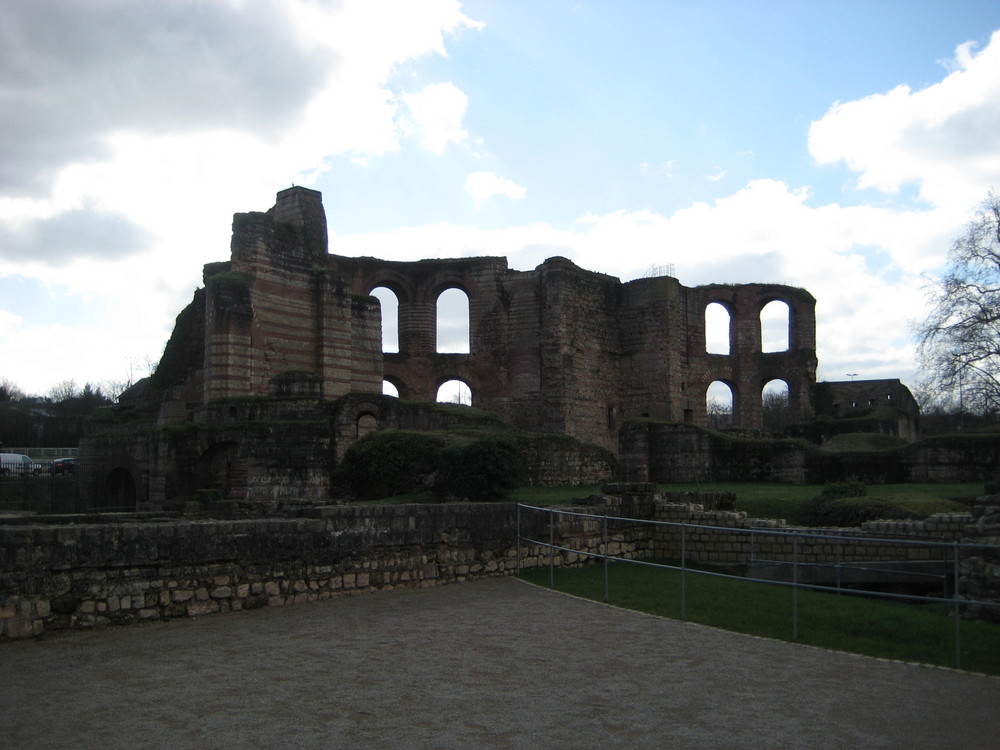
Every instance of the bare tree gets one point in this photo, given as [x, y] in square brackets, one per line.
[777, 411]
[959, 341]
[719, 414]
[63, 391]
[9, 391]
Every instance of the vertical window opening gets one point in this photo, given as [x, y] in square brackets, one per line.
[775, 320]
[717, 328]
[390, 318]
[453, 322]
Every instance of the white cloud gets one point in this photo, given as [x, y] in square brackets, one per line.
[437, 114]
[862, 264]
[944, 138]
[484, 185]
[717, 175]
[133, 131]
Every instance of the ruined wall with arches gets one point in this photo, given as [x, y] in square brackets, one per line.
[553, 349]
[280, 363]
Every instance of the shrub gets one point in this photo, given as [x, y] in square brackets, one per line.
[488, 469]
[837, 490]
[830, 508]
[391, 462]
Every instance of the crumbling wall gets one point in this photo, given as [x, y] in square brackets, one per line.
[86, 574]
[554, 349]
[669, 452]
[557, 350]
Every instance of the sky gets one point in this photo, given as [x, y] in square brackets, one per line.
[835, 146]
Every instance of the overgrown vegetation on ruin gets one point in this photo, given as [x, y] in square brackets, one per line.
[452, 467]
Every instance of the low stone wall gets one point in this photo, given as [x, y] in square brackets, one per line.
[669, 452]
[85, 574]
[716, 538]
[980, 574]
[61, 576]
[54, 577]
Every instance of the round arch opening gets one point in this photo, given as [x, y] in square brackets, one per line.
[720, 403]
[454, 392]
[776, 410]
[119, 490]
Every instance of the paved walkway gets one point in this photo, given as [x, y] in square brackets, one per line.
[493, 663]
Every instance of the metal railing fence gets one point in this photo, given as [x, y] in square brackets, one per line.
[949, 555]
[40, 493]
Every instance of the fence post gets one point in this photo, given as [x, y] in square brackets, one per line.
[795, 587]
[552, 549]
[957, 614]
[840, 563]
[605, 532]
[518, 563]
[683, 573]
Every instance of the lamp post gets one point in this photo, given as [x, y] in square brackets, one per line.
[852, 375]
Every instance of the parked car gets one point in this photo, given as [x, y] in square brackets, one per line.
[62, 466]
[16, 464]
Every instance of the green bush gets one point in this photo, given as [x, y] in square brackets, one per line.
[488, 469]
[830, 508]
[837, 490]
[391, 462]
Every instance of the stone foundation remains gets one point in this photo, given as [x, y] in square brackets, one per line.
[76, 576]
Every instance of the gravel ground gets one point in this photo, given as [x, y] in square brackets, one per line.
[491, 663]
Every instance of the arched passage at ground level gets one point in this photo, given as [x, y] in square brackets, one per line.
[118, 492]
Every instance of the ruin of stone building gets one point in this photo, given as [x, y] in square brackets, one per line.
[555, 349]
[286, 333]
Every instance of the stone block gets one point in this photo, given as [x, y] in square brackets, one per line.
[198, 608]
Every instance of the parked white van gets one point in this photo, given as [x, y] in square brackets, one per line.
[16, 463]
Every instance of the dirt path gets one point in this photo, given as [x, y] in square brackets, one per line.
[493, 663]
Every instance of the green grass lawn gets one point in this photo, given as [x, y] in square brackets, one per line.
[856, 624]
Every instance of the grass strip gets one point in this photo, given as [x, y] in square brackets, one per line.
[862, 625]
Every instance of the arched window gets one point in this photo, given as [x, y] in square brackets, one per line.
[390, 318]
[775, 406]
[366, 424]
[388, 389]
[719, 405]
[717, 328]
[119, 490]
[453, 322]
[455, 392]
[774, 326]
